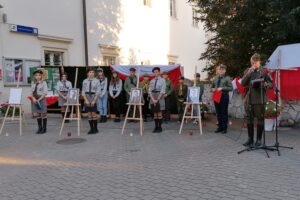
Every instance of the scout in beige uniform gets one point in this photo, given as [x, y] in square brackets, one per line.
[62, 88]
[38, 105]
[156, 92]
[90, 93]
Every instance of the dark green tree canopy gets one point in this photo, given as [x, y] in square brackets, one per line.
[239, 28]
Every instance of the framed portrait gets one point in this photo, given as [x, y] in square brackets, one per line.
[15, 96]
[193, 94]
[135, 95]
[73, 96]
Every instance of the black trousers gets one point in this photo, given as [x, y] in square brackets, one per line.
[117, 106]
[222, 112]
[145, 108]
[166, 112]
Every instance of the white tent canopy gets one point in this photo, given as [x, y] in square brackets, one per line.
[285, 57]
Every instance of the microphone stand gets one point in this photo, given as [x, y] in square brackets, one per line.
[277, 145]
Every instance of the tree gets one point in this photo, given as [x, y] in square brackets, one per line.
[239, 28]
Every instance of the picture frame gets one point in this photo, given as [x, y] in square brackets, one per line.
[135, 96]
[73, 96]
[193, 95]
[15, 96]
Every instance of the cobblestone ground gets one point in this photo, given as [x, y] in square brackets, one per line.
[154, 166]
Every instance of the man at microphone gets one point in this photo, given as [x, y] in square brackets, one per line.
[256, 81]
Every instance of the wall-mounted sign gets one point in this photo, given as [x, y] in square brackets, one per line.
[24, 29]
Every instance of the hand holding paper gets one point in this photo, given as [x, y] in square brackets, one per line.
[216, 96]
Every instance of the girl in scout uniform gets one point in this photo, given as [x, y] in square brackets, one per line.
[167, 97]
[102, 99]
[62, 88]
[90, 93]
[38, 104]
[222, 83]
[115, 89]
[156, 92]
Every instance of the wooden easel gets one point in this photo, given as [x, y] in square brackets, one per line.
[192, 116]
[136, 106]
[14, 106]
[78, 118]
[77, 107]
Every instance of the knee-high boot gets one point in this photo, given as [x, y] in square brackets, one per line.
[250, 129]
[40, 126]
[260, 129]
[44, 125]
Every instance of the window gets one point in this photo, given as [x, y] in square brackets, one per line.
[195, 18]
[12, 68]
[53, 58]
[109, 60]
[147, 3]
[173, 8]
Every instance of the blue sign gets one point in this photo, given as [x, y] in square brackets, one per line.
[24, 29]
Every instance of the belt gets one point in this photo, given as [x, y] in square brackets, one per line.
[90, 93]
[155, 91]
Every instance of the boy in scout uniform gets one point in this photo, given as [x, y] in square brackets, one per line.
[222, 83]
[90, 93]
[38, 104]
[167, 96]
[130, 82]
[62, 88]
[145, 87]
[103, 96]
[181, 94]
[256, 81]
[156, 92]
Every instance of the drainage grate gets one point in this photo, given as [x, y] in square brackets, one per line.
[71, 141]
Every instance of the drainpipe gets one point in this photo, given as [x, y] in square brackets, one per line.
[86, 51]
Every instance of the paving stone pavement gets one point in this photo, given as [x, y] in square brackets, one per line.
[164, 166]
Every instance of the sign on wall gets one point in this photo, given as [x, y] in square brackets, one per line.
[24, 29]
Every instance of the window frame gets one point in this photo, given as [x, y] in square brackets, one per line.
[25, 72]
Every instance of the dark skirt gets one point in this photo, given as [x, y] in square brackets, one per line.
[88, 108]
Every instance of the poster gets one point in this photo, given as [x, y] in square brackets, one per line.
[50, 75]
[15, 95]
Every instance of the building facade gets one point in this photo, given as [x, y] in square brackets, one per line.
[109, 32]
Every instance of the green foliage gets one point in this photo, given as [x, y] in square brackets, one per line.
[3, 109]
[271, 111]
[240, 28]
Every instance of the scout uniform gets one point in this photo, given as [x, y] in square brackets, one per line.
[181, 94]
[130, 82]
[91, 89]
[223, 82]
[156, 90]
[63, 87]
[39, 91]
[115, 89]
[145, 88]
[255, 101]
[102, 99]
[169, 91]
